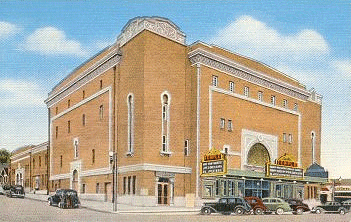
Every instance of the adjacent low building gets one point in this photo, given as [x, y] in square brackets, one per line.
[181, 123]
[29, 167]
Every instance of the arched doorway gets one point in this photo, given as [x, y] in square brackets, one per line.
[258, 155]
[75, 180]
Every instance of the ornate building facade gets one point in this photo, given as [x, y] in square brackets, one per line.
[152, 107]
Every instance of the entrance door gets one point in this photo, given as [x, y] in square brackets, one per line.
[75, 180]
[108, 192]
[163, 193]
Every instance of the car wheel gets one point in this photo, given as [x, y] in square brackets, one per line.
[342, 211]
[318, 211]
[206, 211]
[299, 211]
[60, 205]
[279, 211]
[50, 202]
[258, 211]
[239, 211]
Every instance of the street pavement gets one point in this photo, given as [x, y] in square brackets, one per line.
[28, 210]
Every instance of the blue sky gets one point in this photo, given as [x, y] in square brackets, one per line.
[42, 41]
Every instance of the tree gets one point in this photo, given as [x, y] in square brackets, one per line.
[4, 156]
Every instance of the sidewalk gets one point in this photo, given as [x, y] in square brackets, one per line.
[107, 207]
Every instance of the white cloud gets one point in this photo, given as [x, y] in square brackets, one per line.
[343, 67]
[254, 38]
[20, 93]
[51, 41]
[7, 30]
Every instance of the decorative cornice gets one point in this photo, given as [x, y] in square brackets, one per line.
[201, 56]
[160, 26]
[97, 69]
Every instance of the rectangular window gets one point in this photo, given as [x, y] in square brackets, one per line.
[134, 185]
[61, 161]
[273, 100]
[93, 156]
[285, 103]
[101, 112]
[186, 148]
[69, 126]
[129, 183]
[214, 80]
[284, 137]
[230, 125]
[83, 120]
[260, 96]
[56, 132]
[84, 188]
[246, 91]
[217, 188]
[68, 103]
[83, 94]
[222, 123]
[100, 84]
[124, 185]
[231, 86]
[56, 110]
[97, 187]
[39, 161]
[290, 138]
[33, 163]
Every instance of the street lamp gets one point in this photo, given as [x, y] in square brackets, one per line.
[334, 186]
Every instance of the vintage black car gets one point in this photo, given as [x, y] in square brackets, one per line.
[297, 206]
[228, 205]
[15, 191]
[330, 207]
[64, 198]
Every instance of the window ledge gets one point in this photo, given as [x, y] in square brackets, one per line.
[166, 153]
[129, 153]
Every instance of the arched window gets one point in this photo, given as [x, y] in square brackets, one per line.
[165, 122]
[258, 155]
[313, 145]
[130, 103]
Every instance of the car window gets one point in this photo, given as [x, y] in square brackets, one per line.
[222, 201]
[231, 200]
[273, 201]
[239, 201]
[265, 201]
[254, 201]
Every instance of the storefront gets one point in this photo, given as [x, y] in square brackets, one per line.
[282, 179]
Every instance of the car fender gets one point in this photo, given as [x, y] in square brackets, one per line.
[212, 209]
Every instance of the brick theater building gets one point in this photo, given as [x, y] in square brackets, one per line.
[185, 122]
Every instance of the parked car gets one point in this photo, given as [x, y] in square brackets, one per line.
[2, 191]
[15, 191]
[256, 204]
[64, 198]
[331, 207]
[297, 206]
[277, 205]
[227, 205]
[347, 204]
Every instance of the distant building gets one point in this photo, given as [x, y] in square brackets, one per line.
[29, 167]
[187, 122]
[4, 173]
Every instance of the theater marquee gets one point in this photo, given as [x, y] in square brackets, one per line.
[285, 167]
[214, 163]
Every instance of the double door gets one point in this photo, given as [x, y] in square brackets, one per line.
[163, 193]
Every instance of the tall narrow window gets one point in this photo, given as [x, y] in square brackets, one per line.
[260, 96]
[124, 185]
[222, 123]
[295, 107]
[69, 126]
[231, 86]
[129, 183]
[39, 161]
[186, 148]
[246, 91]
[290, 138]
[214, 80]
[61, 161]
[83, 94]
[56, 110]
[93, 156]
[101, 112]
[313, 144]
[83, 120]
[130, 104]
[100, 84]
[285, 103]
[33, 163]
[75, 147]
[284, 137]
[230, 125]
[273, 100]
[56, 132]
[165, 123]
[97, 188]
[134, 185]
[68, 103]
